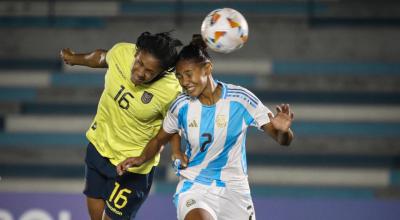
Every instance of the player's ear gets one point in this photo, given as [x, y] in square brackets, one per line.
[208, 68]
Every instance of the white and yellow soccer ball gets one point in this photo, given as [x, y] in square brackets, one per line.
[224, 30]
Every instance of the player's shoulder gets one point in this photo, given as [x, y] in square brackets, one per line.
[122, 49]
[181, 100]
[123, 45]
[241, 95]
[167, 86]
[168, 80]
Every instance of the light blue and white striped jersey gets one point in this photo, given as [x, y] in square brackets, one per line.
[216, 135]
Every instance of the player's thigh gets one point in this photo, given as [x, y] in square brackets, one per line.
[126, 194]
[236, 205]
[98, 172]
[199, 214]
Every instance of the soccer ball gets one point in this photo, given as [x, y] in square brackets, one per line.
[224, 30]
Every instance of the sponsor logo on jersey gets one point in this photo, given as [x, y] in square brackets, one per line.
[193, 124]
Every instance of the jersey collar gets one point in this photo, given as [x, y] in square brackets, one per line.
[223, 86]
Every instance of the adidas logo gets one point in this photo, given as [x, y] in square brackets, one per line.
[193, 124]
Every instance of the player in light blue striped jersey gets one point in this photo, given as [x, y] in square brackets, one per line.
[213, 118]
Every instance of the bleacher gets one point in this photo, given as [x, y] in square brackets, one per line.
[342, 83]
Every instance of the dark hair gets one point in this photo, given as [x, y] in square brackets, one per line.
[196, 50]
[162, 46]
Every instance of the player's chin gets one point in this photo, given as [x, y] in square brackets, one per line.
[192, 92]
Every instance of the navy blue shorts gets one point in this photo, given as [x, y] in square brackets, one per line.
[123, 194]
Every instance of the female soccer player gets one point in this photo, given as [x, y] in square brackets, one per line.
[139, 89]
[213, 118]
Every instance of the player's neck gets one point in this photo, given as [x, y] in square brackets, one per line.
[211, 94]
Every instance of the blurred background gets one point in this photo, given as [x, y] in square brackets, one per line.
[337, 62]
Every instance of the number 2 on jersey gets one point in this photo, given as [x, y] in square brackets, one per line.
[209, 139]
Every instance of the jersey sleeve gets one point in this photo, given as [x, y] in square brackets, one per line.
[120, 58]
[116, 52]
[170, 124]
[171, 121]
[259, 112]
[260, 115]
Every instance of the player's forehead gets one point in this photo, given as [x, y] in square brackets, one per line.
[187, 64]
[184, 66]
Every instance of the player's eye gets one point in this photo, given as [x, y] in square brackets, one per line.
[149, 73]
[139, 62]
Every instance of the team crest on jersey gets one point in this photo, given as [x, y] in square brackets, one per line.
[190, 202]
[221, 121]
[146, 97]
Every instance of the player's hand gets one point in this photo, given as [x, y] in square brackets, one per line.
[67, 55]
[182, 158]
[129, 162]
[283, 118]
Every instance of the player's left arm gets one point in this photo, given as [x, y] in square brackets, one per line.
[279, 126]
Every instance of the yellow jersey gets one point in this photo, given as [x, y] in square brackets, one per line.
[129, 115]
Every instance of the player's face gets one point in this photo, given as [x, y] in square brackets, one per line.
[145, 68]
[192, 76]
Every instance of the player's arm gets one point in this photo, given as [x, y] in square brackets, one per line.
[95, 59]
[151, 149]
[279, 126]
[177, 153]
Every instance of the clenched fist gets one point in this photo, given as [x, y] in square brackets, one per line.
[67, 55]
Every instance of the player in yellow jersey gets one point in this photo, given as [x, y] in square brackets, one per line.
[139, 87]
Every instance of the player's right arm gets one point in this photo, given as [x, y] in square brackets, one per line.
[151, 149]
[95, 59]
[168, 132]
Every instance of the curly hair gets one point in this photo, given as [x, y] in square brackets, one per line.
[162, 46]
